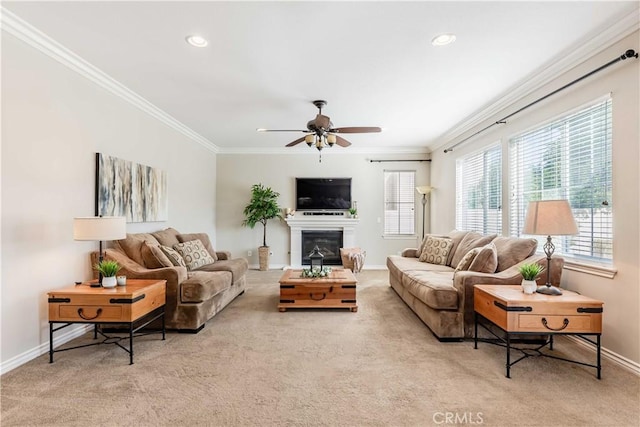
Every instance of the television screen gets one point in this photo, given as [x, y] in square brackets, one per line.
[323, 193]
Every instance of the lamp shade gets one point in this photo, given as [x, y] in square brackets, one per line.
[424, 189]
[100, 228]
[549, 218]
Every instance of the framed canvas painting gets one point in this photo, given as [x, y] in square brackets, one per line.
[132, 190]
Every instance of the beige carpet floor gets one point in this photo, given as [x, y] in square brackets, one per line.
[254, 366]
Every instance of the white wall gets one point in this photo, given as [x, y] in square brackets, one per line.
[621, 294]
[238, 172]
[53, 123]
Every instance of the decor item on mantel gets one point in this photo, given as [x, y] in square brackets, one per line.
[529, 273]
[549, 217]
[262, 207]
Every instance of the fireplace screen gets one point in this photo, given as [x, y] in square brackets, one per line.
[329, 243]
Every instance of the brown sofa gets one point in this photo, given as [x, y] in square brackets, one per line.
[193, 296]
[442, 297]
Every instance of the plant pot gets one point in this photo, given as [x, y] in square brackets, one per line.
[263, 257]
[529, 286]
[109, 282]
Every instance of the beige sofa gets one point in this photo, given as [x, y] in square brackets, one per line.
[442, 296]
[193, 296]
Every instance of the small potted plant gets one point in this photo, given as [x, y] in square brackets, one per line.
[353, 212]
[529, 273]
[108, 270]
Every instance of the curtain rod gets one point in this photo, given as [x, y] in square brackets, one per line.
[402, 160]
[628, 54]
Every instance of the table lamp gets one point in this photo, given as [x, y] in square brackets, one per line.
[424, 190]
[100, 228]
[549, 217]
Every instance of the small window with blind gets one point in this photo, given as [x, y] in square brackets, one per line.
[399, 202]
[479, 191]
[569, 158]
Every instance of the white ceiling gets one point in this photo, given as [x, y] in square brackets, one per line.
[372, 61]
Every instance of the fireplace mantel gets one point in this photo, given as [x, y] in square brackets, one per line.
[302, 222]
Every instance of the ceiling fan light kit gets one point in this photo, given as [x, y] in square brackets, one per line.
[321, 133]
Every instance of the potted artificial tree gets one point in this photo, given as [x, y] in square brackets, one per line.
[262, 207]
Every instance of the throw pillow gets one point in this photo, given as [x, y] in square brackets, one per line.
[466, 261]
[424, 242]
[486, 261]
[175, 258]
[471, 240]
[436, 250]
[194, 254]
[153, 256]
[204, 238]
[512, 250]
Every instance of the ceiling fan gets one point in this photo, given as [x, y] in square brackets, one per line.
[321, 133]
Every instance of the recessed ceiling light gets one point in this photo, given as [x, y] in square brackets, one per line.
[443, 39]
[197, 41]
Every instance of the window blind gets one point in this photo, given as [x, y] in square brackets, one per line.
[569, 158]
[479, 191]
[399, 202]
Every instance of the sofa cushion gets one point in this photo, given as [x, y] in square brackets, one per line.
[435, 289]
[153, 256]
[486, 261]
[512, 250]
[194, 254]
[203, 237]
[456, 237]
[174, 256]
[203, 285]
[466, 260]
[132, 245]
[471, 240]
[436, 250]
[167, 237]
[237, 266]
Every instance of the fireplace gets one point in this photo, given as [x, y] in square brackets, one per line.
[314, 223]
[328, 241]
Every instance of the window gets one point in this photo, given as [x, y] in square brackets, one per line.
[479, 191]
[399, 202]
[569, 158]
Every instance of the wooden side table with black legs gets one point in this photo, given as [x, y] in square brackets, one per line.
[137, 305]
[517, 313]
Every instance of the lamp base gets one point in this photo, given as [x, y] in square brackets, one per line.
[548, 290]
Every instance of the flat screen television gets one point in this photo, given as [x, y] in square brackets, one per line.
[315, 194]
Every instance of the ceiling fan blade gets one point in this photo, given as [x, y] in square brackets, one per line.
[297, 141]
[322, 122]
[356, 130]
[342, 142]
[281, 130]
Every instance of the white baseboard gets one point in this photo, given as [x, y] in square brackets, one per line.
[43, 348]
[621, 361]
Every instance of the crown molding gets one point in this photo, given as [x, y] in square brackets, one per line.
[30, 35]
[333, 151]
[554, 68]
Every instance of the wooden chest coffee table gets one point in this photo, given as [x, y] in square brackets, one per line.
[338, 290]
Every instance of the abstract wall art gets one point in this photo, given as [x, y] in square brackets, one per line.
[132, 190]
